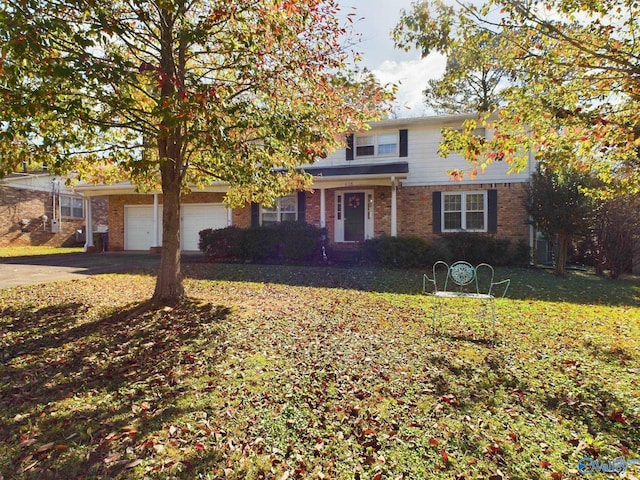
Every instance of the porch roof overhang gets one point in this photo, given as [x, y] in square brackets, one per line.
[357, 175]
[399, 169]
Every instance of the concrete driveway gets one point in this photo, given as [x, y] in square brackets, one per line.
[17, 271]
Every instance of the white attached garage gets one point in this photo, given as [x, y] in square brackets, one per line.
[139, 224]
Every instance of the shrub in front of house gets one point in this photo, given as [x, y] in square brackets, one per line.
[479, 248]
[220, 243]
[402, 252]
[413, 251]
[283, 242]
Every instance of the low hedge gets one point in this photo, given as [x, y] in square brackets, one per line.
[283, 242]
[481, 248]
[293, 242]
[413, 251]
[401, 252]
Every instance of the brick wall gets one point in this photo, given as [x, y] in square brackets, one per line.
[414, 213]
[18, 204]
[415, 209]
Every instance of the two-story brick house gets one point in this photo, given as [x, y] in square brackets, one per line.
[387, 181]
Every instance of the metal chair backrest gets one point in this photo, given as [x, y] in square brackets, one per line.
[462, 274]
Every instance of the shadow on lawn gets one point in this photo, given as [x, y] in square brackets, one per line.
[526, 283]
[72, 390]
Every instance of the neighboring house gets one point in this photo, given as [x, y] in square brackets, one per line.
[36, 208]
[388, 181]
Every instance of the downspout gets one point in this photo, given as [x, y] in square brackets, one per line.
[323, 213]
[394, 207]
[532, 233]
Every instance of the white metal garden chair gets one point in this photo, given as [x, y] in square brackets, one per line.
[461, 281]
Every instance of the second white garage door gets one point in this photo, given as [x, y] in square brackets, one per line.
[198, 217]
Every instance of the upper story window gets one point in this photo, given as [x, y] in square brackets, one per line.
[383, 145]
[464, 211]
[72, 207]
[366, 146]
[478, 132]
[285, 210]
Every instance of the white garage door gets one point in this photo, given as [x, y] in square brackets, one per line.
[197, 217]
[138, 227]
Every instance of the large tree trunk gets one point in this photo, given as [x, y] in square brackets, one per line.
[169, 289]
[561, 257]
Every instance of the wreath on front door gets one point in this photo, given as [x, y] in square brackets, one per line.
[354, 201]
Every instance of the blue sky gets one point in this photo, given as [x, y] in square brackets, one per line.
[374, 20]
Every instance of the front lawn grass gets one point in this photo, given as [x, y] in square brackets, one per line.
[29, 251]
[304, 372]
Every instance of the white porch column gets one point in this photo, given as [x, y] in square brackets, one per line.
[88, 226]
[229, 217]
[394, 207]
[323, 213]
[156, 221]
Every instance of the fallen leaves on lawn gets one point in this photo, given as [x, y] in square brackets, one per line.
[290, 374]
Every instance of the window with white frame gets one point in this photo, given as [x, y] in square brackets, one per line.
[72, 207]
[464, 211]
[285, 210]
[383, 145]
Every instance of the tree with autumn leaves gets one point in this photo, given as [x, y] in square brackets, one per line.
[573, 85]
[177, 94]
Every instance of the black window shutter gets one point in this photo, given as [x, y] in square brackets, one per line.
[349, 147]
[404, 143]
[255, 214]
[302, 207]
[492, 214]
[437, 212]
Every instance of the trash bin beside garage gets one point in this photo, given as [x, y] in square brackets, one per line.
[101, 238]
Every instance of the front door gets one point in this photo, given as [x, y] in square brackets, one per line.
[354, 218]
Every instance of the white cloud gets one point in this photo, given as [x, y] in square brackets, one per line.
[411, 77]
[374, 20]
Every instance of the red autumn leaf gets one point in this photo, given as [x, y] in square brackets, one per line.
[618, 417]
[434, 442]
[494, 448]
[623, 449]
[445, 457]
[544, 464]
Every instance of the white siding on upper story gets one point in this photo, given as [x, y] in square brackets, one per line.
[426, 167]
[40, 182]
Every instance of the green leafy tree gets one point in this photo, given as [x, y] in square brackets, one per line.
[173, 94]
[615, 234]
[559, 208]
[473, 77]
[573, 70]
